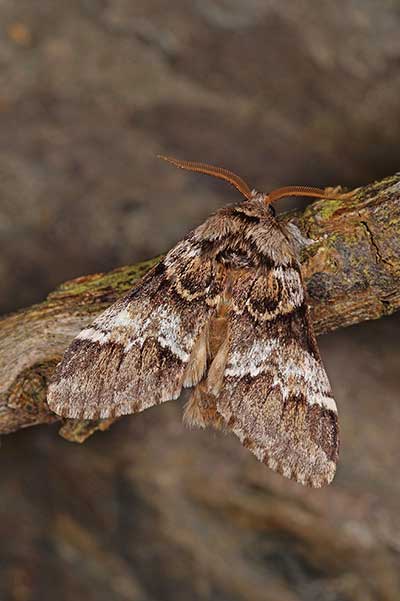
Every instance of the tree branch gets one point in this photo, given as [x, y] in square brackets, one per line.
[351, 269]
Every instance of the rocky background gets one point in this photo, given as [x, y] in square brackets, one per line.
[282, 92]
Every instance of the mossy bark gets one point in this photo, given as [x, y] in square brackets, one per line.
[350, 263]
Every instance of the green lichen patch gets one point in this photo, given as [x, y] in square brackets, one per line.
[119, 280]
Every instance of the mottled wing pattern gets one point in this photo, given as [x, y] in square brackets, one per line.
[266, 382]
[145, 347]
[224, 312]
[276, 397]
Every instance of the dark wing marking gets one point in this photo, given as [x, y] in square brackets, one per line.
[145, 347]
[267, 383]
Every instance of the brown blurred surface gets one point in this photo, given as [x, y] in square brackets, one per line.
[150, 510]
[282, 92]
[92, 90]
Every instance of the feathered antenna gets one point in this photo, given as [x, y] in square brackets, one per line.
[240, 184]
[294, 191]
[218, 172]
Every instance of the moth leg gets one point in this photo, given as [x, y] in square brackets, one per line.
[201, 409]
[197, 364]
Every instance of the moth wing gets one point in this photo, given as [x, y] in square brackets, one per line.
[267, 382]
[144, 348]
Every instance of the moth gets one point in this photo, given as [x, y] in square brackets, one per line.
[224, 313]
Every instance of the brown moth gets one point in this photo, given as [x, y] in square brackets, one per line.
[225, 313]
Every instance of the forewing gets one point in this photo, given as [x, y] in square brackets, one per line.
[145, 347]
[267, 382]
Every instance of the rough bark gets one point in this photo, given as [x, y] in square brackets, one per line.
[351, 266]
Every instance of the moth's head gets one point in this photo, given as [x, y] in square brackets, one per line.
[241, 185]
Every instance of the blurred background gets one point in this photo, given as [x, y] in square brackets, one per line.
[283, 93]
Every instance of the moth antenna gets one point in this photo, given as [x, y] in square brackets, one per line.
[295, 191]
[218, 172]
